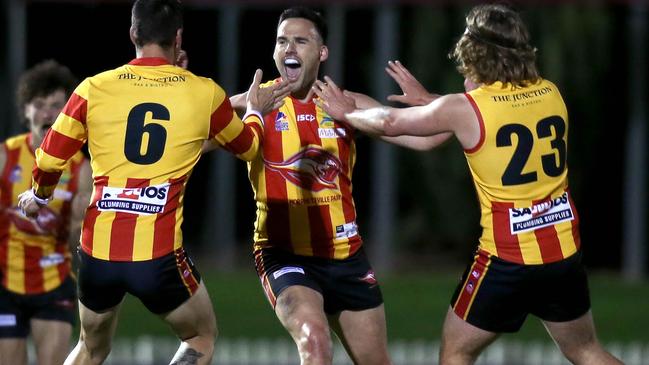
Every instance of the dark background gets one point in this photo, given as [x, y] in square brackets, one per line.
[583, 48]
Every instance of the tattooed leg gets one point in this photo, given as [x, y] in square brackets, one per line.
[186, 356]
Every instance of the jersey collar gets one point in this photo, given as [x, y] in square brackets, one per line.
[149, 61]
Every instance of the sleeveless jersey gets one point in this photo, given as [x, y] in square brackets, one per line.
[34, 253]
[302, 183]
[520, 173]
[145, 123]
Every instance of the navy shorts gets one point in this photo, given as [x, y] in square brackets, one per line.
[347, 284]
[16, 310]
[161, 284]
[497, 295]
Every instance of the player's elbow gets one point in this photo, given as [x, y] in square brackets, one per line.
[252, 152]
[391, 128]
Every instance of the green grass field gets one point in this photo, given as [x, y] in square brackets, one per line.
[415, 306]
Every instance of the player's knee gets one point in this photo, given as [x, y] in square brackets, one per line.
[581, 349]
[456, 355]
[314, 341]
[96, 352]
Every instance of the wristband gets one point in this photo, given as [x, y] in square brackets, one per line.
[39, 200]
[254, 112]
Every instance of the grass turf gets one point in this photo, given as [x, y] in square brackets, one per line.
[415, 307]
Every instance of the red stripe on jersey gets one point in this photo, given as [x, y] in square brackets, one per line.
[221, 117]
[344, 180]
[576, 236]
[308, 132]
[242, 142]
[164, 234]
[319, 216]
[185, 271]
[59, 145]
[6, 200]
[257, 129]
[278, 224]
[480, 123]
[320, 226]
[548, 240]
[44, 178]
[76, 107]
[33, 278]
[471, 284]
[507, 245]
[122, 232]
[91, 215]
[64, 267]
[65, 213]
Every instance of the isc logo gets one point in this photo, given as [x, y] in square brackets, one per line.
[305, 117]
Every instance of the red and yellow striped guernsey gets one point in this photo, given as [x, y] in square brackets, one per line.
[520, 173]
[145, 123]
[34, 254]
[302, 183]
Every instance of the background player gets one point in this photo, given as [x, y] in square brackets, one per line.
[38, 291]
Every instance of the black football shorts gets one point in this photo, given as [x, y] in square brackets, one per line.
[497, 295]
[347, 284]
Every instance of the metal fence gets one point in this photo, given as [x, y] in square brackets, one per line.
[158, 351]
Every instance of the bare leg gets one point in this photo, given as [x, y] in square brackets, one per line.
[300, 309]
[195, 324]
[462, 342]
[95, 338]
[578, 341]
[364, 335]
[52, 340]
[13, 351]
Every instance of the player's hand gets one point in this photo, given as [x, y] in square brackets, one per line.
[28, 204]
[182, 60]
[332, 99]
[413, 91]
[266, 99]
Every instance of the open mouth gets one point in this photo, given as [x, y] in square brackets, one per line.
[293, 68]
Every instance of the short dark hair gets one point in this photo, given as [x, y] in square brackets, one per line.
[308, 14]
[156, 21]
[496, 47]
[43, 79]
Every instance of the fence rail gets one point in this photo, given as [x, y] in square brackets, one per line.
[158, 351]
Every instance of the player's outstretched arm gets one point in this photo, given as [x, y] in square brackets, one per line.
[448, 113]
[418, 143]
[340, 105]
[413, 92]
